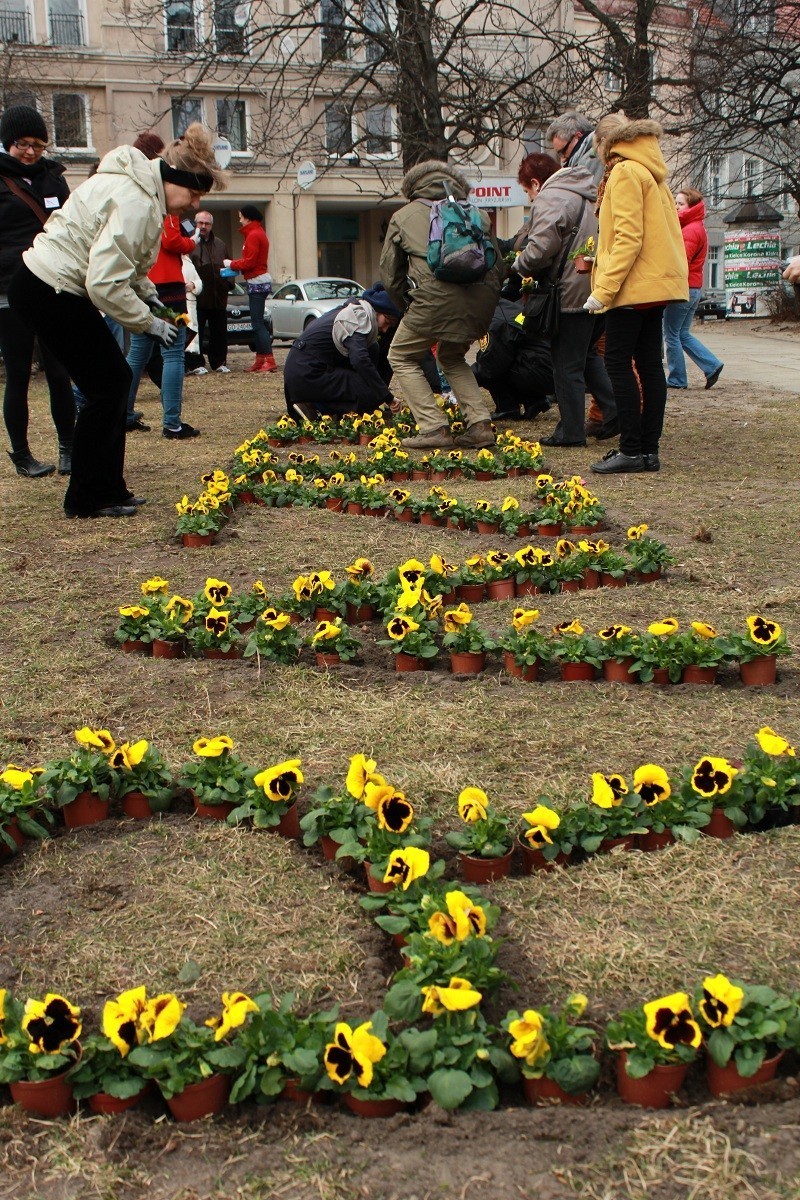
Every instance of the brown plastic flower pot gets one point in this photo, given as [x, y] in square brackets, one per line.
[289, 824]
[472, 593]
[661, 677]
[722, 1081]
[719, 826]
[487, 526]
[483, 476]
[420, 473]
[407, 662]
[695, 674]
[136, 805]
[17, 836]
[576, 672]
[246, 498]
[549, 528]
[609, 580]
[165, 649]
[374, 1108]
[527, 589]
[524, 530]
[212, 812]
[364, 439]
[373, 883]
[591, 579]
[656, 841]
[581, 530]
[400, 476]
[104, 1103]
[198, 539]
[428, 518]
[611, 843]
[759, 672]
[51, 1097]
[547, 1091]
[438, 476]
[354, 509]
[500, 589]
[528, 673]
[456, 523]
[648, 576]
[136, 646]
[485, 870]
[405, 515]
[324, 614]
[85, 809]
[329, 847]
[215, 652]
[534, 860]
[326, 661]
[617, 670]
[570, 585]
[294, 1093]
[360, 613]
[656, 1089]
[583, 265]
[466, 662]
[201, 1099]
[334, 503]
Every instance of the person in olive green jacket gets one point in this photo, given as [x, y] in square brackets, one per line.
[639, 268]
[451, 314]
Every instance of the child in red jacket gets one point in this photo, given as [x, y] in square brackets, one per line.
[253, 265]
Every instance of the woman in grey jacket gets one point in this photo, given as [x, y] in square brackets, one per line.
[562, 218]
[94, 256]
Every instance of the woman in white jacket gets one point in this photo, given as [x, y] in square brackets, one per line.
[94, 256]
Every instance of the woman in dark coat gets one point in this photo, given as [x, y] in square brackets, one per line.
[31, 187]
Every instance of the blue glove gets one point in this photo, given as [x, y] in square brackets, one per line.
[228, 273]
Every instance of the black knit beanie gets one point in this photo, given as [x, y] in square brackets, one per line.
[250, 212]
[21, 121]
[381, 301]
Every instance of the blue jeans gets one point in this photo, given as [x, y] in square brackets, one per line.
[678, 318]
[119, 337]
[262, 329]
[142, 346]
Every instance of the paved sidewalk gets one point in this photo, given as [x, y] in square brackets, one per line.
[770, 356]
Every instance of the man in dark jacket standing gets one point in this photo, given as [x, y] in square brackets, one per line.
[212, 302]
[450, 314]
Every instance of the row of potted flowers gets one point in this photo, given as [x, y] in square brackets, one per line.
[361, 428]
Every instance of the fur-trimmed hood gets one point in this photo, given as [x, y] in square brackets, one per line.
[639, 141]
[424, 181]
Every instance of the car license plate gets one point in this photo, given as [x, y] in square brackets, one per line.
[239, 326]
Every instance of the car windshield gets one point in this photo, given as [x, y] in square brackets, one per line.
[332, 289]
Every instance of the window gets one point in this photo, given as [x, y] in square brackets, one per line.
[181, 30]
[374, 19]
[378, 131]
[714, 264]
[185, 110]
[66, 23]
[334, 34]
[612, 78]
[716, 171]
[70, 129]
[752, 177]
[15, 23]
[232, 123]
[338, 130]
[230, 26]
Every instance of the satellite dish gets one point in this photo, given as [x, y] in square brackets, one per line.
[222, 152]
[241, 15]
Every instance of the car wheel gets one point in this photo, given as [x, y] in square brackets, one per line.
[308, 321]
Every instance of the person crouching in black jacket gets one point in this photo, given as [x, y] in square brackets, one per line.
[514, 365]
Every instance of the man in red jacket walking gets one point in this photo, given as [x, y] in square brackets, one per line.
[253, 265]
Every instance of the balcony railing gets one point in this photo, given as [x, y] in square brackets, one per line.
[181, 38]
[15, 26]
[66, 29]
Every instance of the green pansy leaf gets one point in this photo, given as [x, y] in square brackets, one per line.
[638, 1065]
[575, 1075]
[403, 1001]
[449, 1088]
[481, 1099]
[301, 1061]
[272, 1081]
[244, 1084]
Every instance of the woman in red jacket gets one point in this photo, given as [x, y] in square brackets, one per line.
[679, 314]
[253, 265]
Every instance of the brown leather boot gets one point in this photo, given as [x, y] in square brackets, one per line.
[258, 364]
[477, 436]
[268, 364]
[439, 439]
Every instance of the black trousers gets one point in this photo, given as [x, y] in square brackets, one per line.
[216, 321]
[73, 330]
[633, 335]
[16, 344]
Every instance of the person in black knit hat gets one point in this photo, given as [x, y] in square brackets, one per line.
[31, 187]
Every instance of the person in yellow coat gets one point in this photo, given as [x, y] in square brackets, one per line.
[639, 268]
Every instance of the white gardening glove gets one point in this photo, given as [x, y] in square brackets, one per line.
[195, 235]
[163, 332]
[153, 302]
[792, 272]
[593, 305]
[226, 262]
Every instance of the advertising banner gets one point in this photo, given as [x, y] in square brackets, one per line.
[752, 268]
[503, 192]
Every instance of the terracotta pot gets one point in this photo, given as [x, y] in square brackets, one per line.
[537, 1090]
[487, 526]
[354, 508]
[405, 515]
[472, 593]
[104, 1103]
[212, 812]
[289, 824]
[549, 528]
[694, 674]
[449, 598]
[591, 579]
[407, 662]
[327, 660]
[246, 497]
[501, 589]
[246, 626]
[485, 870]
[524, 530]
[656, 841]
[465, 662]
[654, 1090]
[719, 826]
[85, 809]
[16, 835]
[724, 1080]
[438, 476]
[334, 503]
[427, 518]
[198, 539]
[583, 265]
[527, 588]
[374, 1108]
[135, 805]
[276, 443]
[360, 613]
[529, 674]
[200, 1099]
[45, 1097]
[513, 472]
[324, 614]
[534, 860]
[570, 585]
[215, 652]
[364, 439]
[373, 883]
[329, 847]
[759, 671]
[661, 677]
[616, 671]
[456, 523]
[379, 512]
[608, 580]
[580, 530]
[610, 843]
[648, 576]
[420, 473]
[136, 646]
[400, 476]
[164, 649]
[400, 940]
[455, 473]
[294, 1093]
[570, 672]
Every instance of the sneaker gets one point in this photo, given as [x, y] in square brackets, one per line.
[651, 462]
[198, 371]
[223, 370]
[185, 431]
[714, 376]
[137, 425]
[304, 412]
[615, 462]
[439, 439]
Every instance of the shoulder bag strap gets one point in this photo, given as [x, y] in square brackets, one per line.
[28, 199]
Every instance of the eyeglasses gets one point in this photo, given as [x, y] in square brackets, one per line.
[23, 144]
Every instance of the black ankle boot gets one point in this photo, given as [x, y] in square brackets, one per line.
[65, 458]
[27, 465]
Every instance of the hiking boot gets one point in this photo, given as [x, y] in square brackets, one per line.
[439, 439]
[615, 462]
[477, 436]
[65, 458]
[29, 466]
